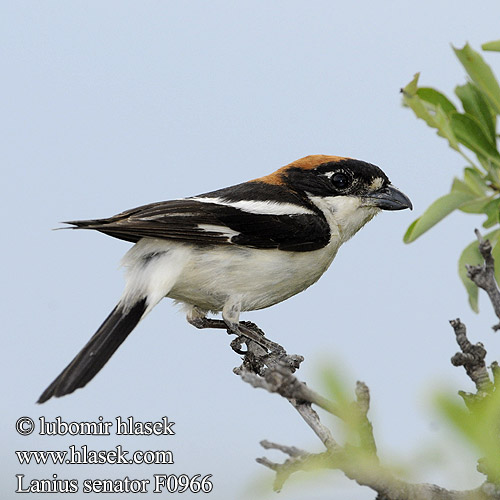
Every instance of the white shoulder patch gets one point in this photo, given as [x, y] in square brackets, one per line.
[258, 207]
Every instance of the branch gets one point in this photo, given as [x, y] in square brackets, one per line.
[373, 476]
[274, 371]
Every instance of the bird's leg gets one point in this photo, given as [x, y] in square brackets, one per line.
[197, 317]
[231, 315]
[204, 322]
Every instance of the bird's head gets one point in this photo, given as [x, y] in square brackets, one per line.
[349, 192]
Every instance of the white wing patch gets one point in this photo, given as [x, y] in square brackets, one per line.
[225, 231]
[258, 207]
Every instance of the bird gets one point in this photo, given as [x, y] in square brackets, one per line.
[240, 248]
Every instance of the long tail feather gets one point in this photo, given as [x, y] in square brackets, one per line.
[96, 353]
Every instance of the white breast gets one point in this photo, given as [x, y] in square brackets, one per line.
[260, 278]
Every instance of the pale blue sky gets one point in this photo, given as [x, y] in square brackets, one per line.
[109, 105]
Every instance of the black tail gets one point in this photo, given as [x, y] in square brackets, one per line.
[97, 352]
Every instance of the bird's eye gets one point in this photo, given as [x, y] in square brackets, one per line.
[340, 180]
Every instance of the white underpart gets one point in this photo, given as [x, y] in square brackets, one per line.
[215, 278]
[151, 277]
[258, 207]
[236, 278]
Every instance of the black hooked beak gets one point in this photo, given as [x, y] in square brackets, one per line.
[389, 198]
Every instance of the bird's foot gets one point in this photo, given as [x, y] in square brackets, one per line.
[243, 330]
[251, 331]
[237, 344]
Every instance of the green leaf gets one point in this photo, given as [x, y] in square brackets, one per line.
[471, 256]
[477, 206]
[335, 385]
[437, 211]
[411, 99]
[493, 46]
[444, 128]
[492, 210]
[476, 105]
[480, 73]
[460, 186]
[492, 174]
[337, 391]
[435, 98]
[495, 252]
[433, 115]
[475, 181]
[469, 132]
[411, 88]
[479, 425]
[455, 412]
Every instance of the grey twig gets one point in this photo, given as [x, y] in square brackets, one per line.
[267, 463]
[312, 419]
[305, 462]
[471, 357]
[484, 275]
[289, 450]
[365, 427]
[495, 369]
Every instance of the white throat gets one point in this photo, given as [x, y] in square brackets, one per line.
[346, 215]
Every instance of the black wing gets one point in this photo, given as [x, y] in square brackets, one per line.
[189, 220]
